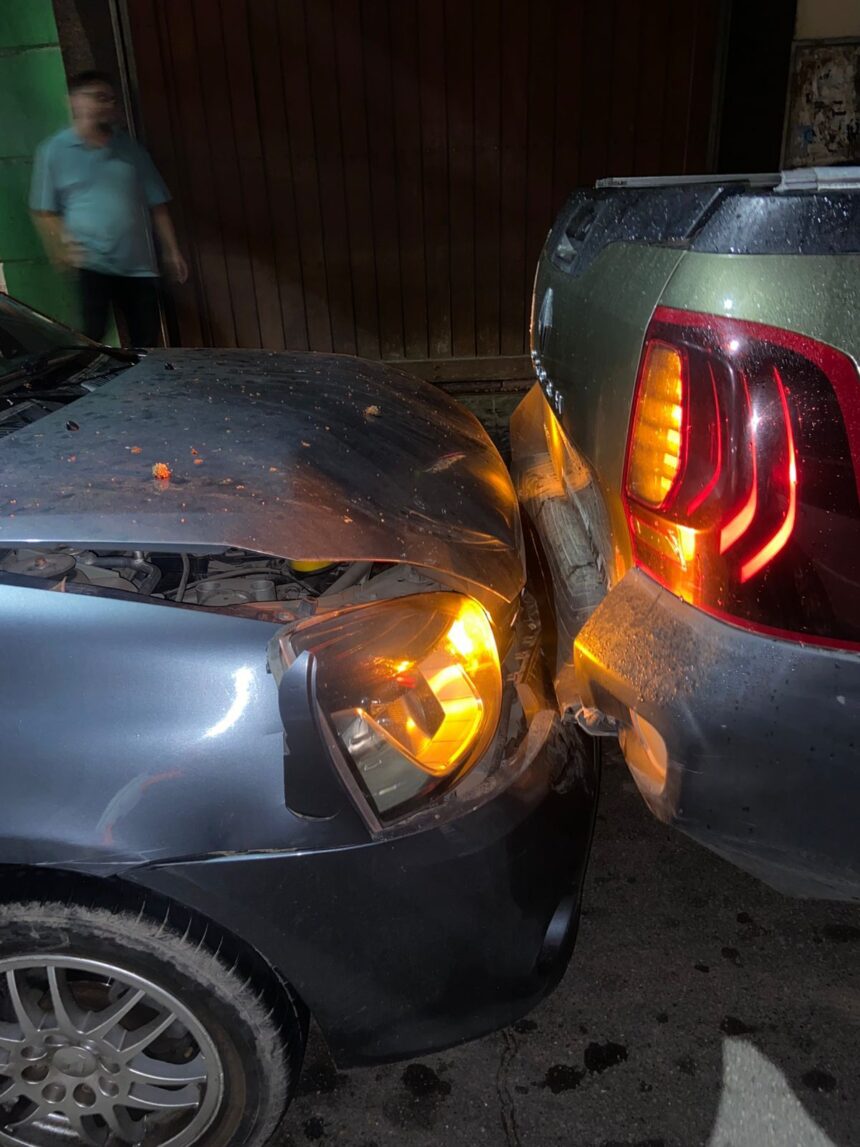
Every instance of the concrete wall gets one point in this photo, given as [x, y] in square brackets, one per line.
[827, 19]
[33, 99]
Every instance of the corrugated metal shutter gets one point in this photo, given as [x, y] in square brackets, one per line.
[377, 176]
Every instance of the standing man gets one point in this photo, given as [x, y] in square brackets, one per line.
[95, 196]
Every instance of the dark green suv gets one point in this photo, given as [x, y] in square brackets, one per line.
[690, 462]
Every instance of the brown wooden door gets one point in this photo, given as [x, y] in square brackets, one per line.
[376, 177]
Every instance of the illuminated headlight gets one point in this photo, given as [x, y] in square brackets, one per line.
[411, 689]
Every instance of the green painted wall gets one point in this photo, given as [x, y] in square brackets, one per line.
[34, 103]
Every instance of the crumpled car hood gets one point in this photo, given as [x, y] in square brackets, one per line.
[302, 456]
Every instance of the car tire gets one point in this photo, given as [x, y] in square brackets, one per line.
[65, 967]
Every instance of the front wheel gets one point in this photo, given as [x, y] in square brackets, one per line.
[115, 1030]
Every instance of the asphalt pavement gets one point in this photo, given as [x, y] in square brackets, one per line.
[700, 1008]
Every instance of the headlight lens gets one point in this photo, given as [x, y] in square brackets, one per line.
[412, 689]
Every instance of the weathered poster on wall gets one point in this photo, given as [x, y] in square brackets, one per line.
[823, 121]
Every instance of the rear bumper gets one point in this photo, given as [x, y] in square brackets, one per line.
[405, 946]
[762, 736]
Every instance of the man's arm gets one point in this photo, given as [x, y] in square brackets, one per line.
[171, 254]
[157, 196]
[62, 250]
[45, 208]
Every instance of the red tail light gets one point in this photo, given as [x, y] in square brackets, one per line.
[741, 480]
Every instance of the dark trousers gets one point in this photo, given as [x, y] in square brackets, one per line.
[134, 300]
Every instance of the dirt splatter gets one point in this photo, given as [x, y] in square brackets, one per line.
[601, 1056]
[421, 1081]
[314, 1128]
[523, 1027]
[818, 1080]
[563, 1077]
[321, 1079]
[702, 968]
[687, 1065]
[731, 1025]
[418, 1104]
[732, 955]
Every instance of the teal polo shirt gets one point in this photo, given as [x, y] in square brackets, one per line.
[104, 195]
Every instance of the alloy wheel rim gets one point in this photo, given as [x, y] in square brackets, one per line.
[93, 1054]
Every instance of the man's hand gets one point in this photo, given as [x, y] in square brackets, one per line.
[71, 253]
[177, 267]
[63, 251]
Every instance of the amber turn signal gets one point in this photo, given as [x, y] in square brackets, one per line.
[658, 426]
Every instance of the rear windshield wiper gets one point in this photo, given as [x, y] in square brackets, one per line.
[36, 363]
[31, 366]
[27, 402]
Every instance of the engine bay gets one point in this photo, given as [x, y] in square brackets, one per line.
[233, 581]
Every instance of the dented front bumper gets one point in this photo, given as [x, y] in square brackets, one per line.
[406, 945]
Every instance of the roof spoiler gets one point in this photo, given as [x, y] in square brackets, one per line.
[801, 179]
[820, 179]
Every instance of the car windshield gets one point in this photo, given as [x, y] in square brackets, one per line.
[27, 338]
[45, 366]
